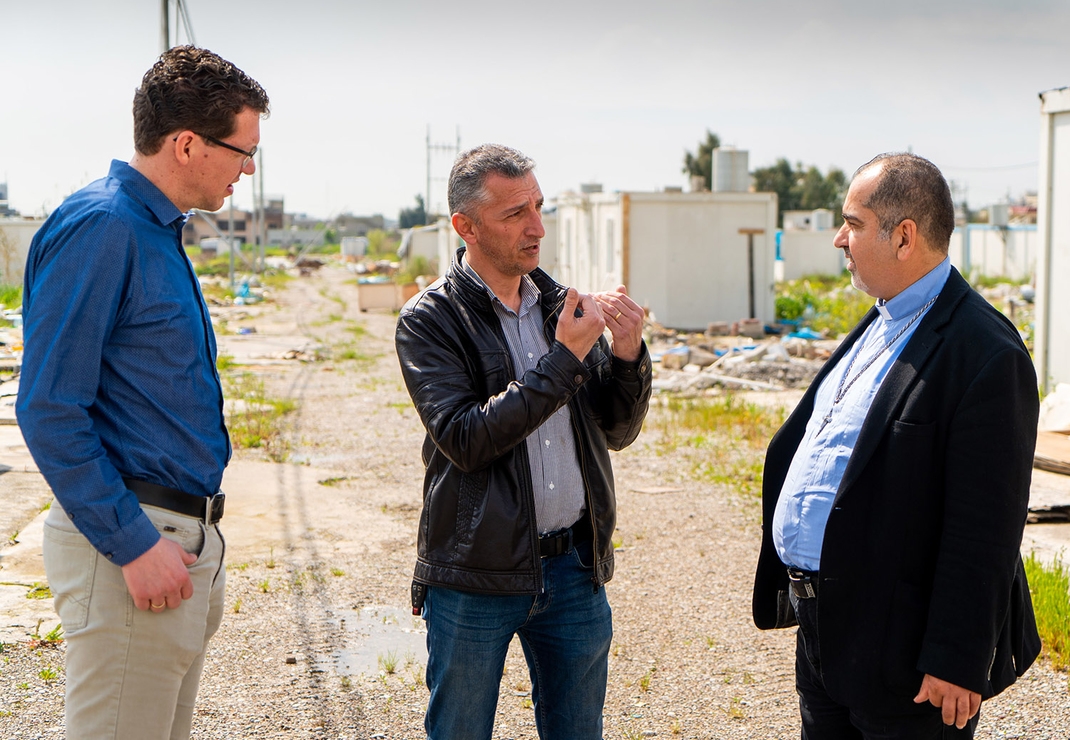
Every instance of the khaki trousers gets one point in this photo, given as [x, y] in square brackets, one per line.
[132, 675]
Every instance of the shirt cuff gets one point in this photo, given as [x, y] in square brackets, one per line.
[130, 542]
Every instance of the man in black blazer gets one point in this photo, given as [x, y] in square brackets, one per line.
[895, 495]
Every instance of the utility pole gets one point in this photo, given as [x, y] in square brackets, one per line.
[165, 29]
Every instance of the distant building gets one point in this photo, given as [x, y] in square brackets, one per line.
[5, 211]
[349, 225]
[690, 258]
[205, 225]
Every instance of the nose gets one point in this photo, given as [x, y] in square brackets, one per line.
[840, 240]
[248, 165]
[535, 227]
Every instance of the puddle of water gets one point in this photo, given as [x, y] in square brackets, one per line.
[380, 637]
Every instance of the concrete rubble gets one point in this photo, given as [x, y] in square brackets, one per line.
[734, 357]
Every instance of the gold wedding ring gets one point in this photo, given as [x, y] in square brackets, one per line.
[619, 314]
[157, 606]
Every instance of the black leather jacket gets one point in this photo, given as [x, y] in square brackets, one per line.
[478, 530]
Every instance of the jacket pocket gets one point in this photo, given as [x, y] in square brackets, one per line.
[70, 564]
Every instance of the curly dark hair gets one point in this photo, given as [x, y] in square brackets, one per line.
[192, 89]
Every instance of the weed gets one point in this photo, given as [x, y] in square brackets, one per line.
[334, 481]
[271, 558]
[24, 685]
[14, 538]
[644, 682]
[347, 682]
[526, 703]
[224, 362]
[675, 728]
[39, 591]
[389, 662]
[264, 586]
[735, 708]
[257, 423]
[337, 572]
[10, 295]
[1050, 589]
[48, 674]
[55, 634]
[237, 606]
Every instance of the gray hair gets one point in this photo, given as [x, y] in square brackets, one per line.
[466, 190]
[911, 187]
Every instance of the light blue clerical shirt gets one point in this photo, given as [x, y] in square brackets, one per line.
[840, 407]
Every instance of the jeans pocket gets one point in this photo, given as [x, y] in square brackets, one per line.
[70, 564]
[187, 532]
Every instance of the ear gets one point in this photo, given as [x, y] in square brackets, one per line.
[905, 238]
[465, 228]
[182, 145]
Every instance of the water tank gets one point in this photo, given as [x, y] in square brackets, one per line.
[730, 170]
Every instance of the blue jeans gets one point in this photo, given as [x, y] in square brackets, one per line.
[565, 632]
[823, 718]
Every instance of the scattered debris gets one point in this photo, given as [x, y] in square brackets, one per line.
[697, 361]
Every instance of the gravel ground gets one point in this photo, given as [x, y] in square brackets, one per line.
[686, 661]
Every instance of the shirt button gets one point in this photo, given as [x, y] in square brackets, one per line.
[530, 356]
[551, 486]
[547, 443]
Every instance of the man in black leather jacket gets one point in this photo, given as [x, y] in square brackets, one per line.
[522, 398]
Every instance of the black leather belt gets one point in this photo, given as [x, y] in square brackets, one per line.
[557, 543]
[803, 583]
[209, 509]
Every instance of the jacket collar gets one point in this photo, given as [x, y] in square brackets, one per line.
[475, 293]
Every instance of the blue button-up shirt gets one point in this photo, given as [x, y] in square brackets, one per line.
[118, 372]
[806, 498]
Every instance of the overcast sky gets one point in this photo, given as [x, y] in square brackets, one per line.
[609, 92]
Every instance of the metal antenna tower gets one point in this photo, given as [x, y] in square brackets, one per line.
[453, 150]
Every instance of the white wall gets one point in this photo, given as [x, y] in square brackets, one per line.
[1052, 350]
[810, 253]
[15, 237]
[680, 254]
[981, 249]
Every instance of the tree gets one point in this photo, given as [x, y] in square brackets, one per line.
[409, 217]
[802, 188]
[702, 162]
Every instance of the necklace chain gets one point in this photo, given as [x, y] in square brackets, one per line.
[846, 386]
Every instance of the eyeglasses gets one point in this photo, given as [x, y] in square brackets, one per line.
[248, 154]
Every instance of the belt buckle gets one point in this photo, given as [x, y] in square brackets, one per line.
[801, 584]
[561, 535]
[214, 511]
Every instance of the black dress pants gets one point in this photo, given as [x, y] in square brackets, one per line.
[825, 719]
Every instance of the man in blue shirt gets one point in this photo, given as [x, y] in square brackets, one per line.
[895, 495]
[121, 405]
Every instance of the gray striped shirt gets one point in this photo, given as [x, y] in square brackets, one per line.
[555, 469]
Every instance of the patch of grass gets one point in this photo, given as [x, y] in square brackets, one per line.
[337, 572]
[39, 591]
[257, 422]
[1050, 588]
[10, 295]
[224, 362]
[822, 302]
[715, 438]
